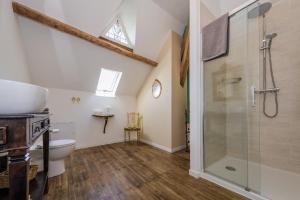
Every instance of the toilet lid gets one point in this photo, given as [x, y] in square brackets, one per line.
[60, 143]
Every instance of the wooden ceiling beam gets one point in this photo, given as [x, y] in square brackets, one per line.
[58, 25]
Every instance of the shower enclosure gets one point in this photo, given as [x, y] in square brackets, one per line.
[252, 102]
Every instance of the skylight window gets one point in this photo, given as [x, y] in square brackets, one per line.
[108, 83]
[117, 33]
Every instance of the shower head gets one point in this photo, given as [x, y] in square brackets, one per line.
[259, 10]
[268, 39]
[271, 36]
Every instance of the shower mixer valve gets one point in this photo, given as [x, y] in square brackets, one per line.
[271, 90]
[254, 91]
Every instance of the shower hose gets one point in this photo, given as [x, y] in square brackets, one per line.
[274, 86]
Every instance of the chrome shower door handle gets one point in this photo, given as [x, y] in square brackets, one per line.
[253, 92]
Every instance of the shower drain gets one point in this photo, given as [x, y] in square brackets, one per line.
[230, 168]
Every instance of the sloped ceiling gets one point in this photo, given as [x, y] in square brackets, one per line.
[177, 8]
[228, 5]
[58, 60]
[90, 16]
[128, 12]
[150, 25]
[206, 15]
[153, 25]
[213, 6]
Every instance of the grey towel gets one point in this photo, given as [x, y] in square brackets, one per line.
[215, 38]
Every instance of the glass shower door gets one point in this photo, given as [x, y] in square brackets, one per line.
[231, 131]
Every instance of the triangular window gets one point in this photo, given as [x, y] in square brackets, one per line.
[117, 33]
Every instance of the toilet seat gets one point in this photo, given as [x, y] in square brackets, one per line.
[60, 143]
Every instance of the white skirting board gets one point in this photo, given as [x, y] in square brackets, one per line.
[161, 147]
[179, 148]
[194, 173]
[90, 146]
[164, 148]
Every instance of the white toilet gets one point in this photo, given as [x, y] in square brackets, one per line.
[58, 151]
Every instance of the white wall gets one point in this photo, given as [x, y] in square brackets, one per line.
[178, 96]
[157, 113]
[196, 86]
[163, 118]
[88, 129]
[13, 65]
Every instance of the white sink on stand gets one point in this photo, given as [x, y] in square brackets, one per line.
[19, 98]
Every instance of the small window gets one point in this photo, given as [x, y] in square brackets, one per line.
[117, 33]
[108, 83]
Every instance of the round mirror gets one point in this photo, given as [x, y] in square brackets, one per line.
[156, 89]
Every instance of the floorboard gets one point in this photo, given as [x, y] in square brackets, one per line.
[131, 172]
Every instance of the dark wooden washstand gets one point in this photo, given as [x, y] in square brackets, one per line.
[17, 134]
[105, 117]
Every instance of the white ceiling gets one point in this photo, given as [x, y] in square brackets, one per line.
[148, 27]
[206, 15]
[152, 27]
[219, 7]
[177, 8]
[213, 6]
[91, 16]
[58, 60]
[229, 5]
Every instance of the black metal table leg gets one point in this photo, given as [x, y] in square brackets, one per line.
[105, 124]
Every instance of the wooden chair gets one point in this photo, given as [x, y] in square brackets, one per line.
[134, 121]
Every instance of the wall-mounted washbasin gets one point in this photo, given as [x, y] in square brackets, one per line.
[18, 98]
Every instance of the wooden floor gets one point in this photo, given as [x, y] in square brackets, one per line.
[127, 171]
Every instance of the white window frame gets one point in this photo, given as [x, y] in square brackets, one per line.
[113, 22]
[115, 84]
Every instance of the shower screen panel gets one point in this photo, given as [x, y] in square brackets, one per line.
[231, 120]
